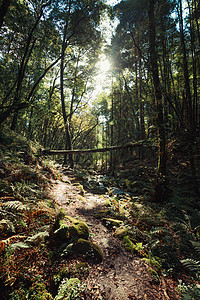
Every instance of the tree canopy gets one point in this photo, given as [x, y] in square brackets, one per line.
[49, 57]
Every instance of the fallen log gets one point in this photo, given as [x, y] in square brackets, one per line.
[82, 151]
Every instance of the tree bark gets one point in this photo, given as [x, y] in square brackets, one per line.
[190, 116]
[162, 159]
[160, 190]
[62, 96]
[190, 120]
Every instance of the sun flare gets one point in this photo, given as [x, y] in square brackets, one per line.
[102, 77]
[103, 65]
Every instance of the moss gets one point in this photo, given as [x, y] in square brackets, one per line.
[153, 262]
[88, 249]
[73, 220]
[112, 222]
[121, 232]
[79, 230]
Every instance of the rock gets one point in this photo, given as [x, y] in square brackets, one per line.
[62, 233]
[75, 231]
[79, 230]
[67, 250]
[69, 289]
[88, 249]
[73, 220]
[6, 228]
[121, 232]
[112, 222]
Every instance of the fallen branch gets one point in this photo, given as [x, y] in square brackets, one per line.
[79, 151]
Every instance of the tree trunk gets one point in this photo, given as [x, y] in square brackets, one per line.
[66, 125]
[142, 124]
[160, 184]
[189, 116]
[112, 166]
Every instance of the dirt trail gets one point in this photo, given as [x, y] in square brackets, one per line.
[121, 275]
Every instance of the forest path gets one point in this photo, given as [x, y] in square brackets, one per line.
[121, 275]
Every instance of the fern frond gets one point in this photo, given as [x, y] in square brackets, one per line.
[192, 265]
[40, 236]
[196, 246]
[16, 206]
[19, 245]
[159, 230]
[187, 219]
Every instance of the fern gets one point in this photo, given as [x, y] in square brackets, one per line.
[192, 265]
[40, 236]
[16, 206]
[19, 245]
[185, 222]
[6, 242]
[196, 246]
[159, 231]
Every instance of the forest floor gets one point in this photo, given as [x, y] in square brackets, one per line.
[121, 275]
[149, 250]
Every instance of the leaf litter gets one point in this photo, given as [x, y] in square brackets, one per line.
[121, 275]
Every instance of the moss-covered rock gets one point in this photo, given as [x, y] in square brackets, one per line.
[6, 228]
[62, 233]
[72, 232]
[108, 222]
[79, 230]
[121, 232]
[69, 289]
[87, 249]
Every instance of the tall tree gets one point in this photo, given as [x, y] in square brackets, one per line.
[79, 20]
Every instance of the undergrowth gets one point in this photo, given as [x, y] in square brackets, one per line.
[28, 269]
[166, 236]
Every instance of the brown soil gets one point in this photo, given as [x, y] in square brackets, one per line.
[121, 275]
